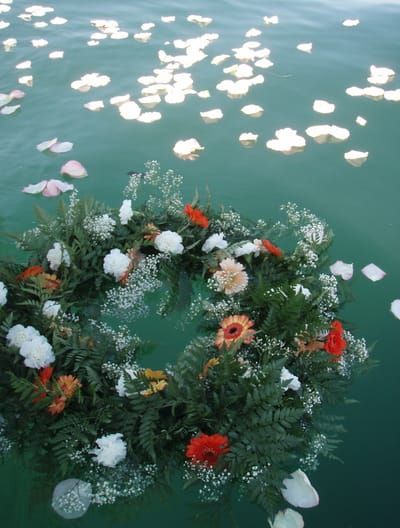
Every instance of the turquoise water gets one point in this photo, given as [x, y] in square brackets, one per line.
[360, 204]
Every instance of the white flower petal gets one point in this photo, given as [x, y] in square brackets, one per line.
[129, 110]
[272, 20]
[41, 147]
[323, 107]
[74, 168]
[356, 157]
[298, 491]
[305, 46]
[350, 22]
[60, 148]
[24, 65]
[188, 149]
[56, 55]
[252, 110]
[7, 110]
[149, 117]
[212, 116]
[94, 106]
[373, 272]
[342, 269]
[288, 519]
[395, 308]
[35, 188]
[248, 139]
[361, 121]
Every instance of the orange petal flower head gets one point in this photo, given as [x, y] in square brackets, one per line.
[196, 216]
[235, 329]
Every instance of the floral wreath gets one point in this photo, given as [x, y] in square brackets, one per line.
[245, 405]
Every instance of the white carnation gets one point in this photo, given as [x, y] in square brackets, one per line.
[169, 242]
[120, 386]
[58, 255]
[116, 263]
[111, 450]
[51, 309]
[3, 294]
[299, 288]
[18, 335]
[125, 212]
[214, 241]
[38, 353]
[247, 249]
[286, 375]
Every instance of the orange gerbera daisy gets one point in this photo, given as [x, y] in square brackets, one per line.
[32, 271]
[196, 216]
[50, 282]
[68, 385]
[274, 250]
[207, 449]
[57, 406]
[235, 329]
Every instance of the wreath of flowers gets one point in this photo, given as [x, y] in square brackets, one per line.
[245, 405]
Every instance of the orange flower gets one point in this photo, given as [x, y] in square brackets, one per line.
[68, 385]
[155, 375]
[50, 282]
[155, 386]
[196, 216]
[274, 250]
[235, 329]
[32, 271]
[57, 406]
[42, 382]
[335, 343]
[207, 449]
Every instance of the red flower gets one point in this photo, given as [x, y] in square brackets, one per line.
[196, 216]
[45, 374]
[207, 449]
[33, 271]
[42, 382]
[274, 250]
[335, 343]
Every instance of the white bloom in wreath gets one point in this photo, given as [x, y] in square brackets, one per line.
[288, 519]
[299, 492]
[299, 288]
[247, 249]
[58, 255]
[116, 263]
[169, 242]
[3, 294]
[111, 450]
[214, 241]
[51, 309]
[120, 387]
[38, 353]
[125, 212]
[286, 375]
[18, 335]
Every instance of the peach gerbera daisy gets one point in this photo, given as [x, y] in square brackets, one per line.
[68, 385]
[235, 329]
[231, 278]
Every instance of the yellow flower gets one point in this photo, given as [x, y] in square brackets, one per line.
[155, 374]
[155, 386]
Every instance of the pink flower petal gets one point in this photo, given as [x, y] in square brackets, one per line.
[341, 268]
[51, 189]
[35, 188]
[74, 169]
[17, 94]
[62, 147]
[45, 145]
[395, 308]
[62, 186]
[373, 272]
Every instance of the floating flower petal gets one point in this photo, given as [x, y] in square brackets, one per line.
[41, 147]
[248, 139]
[361, 121]
[56, 55]
[212, 116]
[350, 22]
[356, 157]
[395, 308]
[252, 110]
[62, 147]
[149, 117]
[373, 272]
[323, 107]
[299, 492]
[187, 149]
[129, 110]
[305, 46]
[94, 106]
[327, 133]
[342, 269]
[74, 169]
[288, 519]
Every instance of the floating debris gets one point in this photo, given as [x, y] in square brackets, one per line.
[188, 149]
[94, 106]
[361, 121]
[7, 110]
[218, 59]
[90, 80]
[118, 100]
[350, 22]
[39, 43]
[27, 80]
[9, 44]
[56, 55]
[271, 20]
[356, 157]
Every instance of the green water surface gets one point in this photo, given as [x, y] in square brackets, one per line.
[360, 204]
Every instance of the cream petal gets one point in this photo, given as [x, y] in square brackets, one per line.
[118, 100]
[299, 491]
[342, 269]
[5, 99]
[60, 148]
[3, 24]
[93, 42]
[253, 32]
[272, 20]
[119, 35]
[200, 20]
[327, 133]
[263, 63]
[248, 139]
[142, 37]
[305, 46]
[252, 110]
[361, 121]
[288, 519]
[74, 169]
[187, 149]
[174, 96]
[94, 106]
[350, 22]
[39, 43]
[27, 80]
[323, 107]
[212, 116]
[218, 59]
[149, 117]
[356, 157]
[373, 272]
[168, 19]
[150, 101]
[45, 145]
[35, 188]
[373, 92]
[129, 110]
[58, 21]
[238, 89]
[392, 95]
[395, 308]
[25, 65]
[7, 110]
[355, 91]
[40, 25]
[204, 94]
[56, 55]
